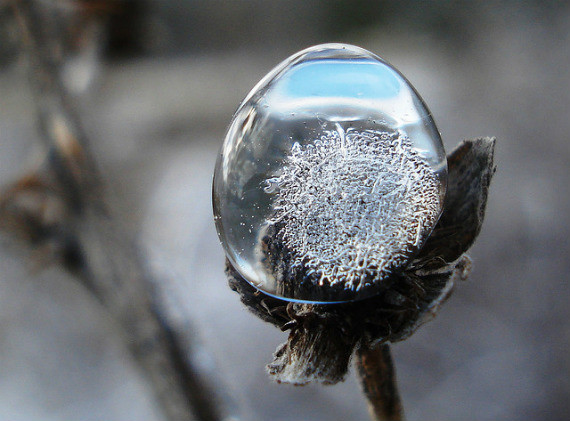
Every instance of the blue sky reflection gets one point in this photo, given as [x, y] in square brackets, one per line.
[334, 78]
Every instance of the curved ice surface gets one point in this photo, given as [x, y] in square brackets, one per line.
[331, 177]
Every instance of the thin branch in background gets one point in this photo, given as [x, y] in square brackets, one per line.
[62, 205]
[378, 378]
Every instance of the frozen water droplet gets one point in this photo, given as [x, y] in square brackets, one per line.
[331, 177]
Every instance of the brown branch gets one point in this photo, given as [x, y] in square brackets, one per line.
[88, 241]
[378, 378]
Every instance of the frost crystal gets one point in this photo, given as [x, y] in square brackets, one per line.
[351, 208]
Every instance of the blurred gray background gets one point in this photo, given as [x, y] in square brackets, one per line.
[163, 93]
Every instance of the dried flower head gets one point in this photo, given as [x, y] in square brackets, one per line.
[322, 338]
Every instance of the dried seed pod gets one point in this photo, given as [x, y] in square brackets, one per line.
[322, 338]
[331, 188]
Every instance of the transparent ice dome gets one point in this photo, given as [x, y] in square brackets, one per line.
[331, 176]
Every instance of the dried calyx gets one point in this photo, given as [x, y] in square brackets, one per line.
[322, 338]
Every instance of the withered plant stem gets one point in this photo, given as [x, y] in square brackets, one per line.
[105, 257]
[378, 379]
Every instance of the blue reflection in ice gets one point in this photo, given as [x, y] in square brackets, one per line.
[333, 78]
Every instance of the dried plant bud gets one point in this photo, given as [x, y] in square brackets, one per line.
[327, 196]
[413, 297]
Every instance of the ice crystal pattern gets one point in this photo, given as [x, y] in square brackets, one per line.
[353, 207]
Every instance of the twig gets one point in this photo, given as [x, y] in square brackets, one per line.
[378, 378]
[91, 243]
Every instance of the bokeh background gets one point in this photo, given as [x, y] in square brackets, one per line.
[156, 101]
